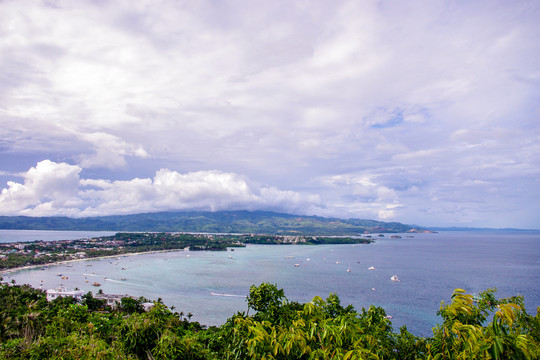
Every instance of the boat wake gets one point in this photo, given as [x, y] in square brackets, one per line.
[227, 295]
[112, 280]
[96, 275]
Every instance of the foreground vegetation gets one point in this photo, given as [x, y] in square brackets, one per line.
[32, 328]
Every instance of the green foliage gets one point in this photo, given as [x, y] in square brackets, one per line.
[472, 328]
[265, 298]
[130, 305]
[262, 222]
[92, 303]
[463, 334]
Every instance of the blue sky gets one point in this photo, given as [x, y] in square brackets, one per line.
[423, 112]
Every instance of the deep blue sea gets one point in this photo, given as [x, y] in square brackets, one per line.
[213, 285]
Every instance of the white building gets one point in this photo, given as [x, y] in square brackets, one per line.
[113, 301]
[63, 292]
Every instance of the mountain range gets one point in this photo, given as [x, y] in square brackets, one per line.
[260, 222]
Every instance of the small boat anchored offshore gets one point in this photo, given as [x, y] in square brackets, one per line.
[394, 278]
[371, 268]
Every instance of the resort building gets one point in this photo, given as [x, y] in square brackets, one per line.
[63, 292]
[112, 300]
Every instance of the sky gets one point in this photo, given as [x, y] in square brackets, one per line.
[424, 112]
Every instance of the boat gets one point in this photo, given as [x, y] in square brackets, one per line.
[123, 279]
[96, 284]
[371, 268]
[337, 262]
[348, 269]
[394, 278]
[372, 289]
[296, 265]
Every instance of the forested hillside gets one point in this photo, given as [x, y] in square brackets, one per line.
[260, 222]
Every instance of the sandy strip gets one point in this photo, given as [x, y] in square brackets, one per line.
[28, 267]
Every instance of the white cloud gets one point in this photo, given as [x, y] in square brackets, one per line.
[109, 150]
[52, 188]
[282, 92]
[48, 189]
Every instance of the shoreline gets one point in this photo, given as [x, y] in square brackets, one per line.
[30, 267]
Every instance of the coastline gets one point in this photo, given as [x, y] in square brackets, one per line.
[29, 267]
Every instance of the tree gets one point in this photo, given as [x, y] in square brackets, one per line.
[92, 303]
[265, 298]
[130, 305]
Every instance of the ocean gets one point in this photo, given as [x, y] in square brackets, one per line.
[213, 285]
[7, 236]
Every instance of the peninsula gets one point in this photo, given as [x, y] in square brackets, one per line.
[19, 254]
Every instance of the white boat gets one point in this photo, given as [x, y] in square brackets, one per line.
[394, 278]
[348, 270]
[371, 268]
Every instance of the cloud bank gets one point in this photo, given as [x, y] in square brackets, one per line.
[421, 111]
[57, 189]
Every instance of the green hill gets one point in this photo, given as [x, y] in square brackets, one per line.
[204, 221]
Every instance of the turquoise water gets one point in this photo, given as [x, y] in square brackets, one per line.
[7, 236]
[212, 285]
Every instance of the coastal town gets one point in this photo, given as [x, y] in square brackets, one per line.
[19, 254]
[36, 253]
